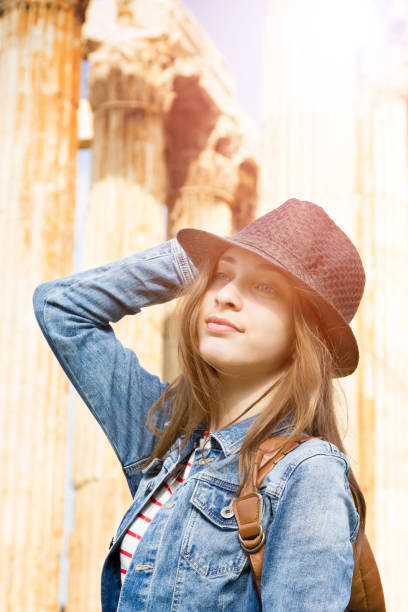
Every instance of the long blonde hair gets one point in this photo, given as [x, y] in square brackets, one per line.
[305, 394]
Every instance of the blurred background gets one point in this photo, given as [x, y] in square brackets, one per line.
[121, 122]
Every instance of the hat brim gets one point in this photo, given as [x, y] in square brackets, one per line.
[200, 245]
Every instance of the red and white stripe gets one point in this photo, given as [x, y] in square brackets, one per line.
[141, 523]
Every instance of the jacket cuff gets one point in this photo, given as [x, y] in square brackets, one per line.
[185, 266]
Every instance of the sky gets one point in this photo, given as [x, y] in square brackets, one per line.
[237, 29]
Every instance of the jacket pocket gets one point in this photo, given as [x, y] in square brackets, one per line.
[210, 543]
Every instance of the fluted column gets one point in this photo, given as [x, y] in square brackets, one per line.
[307, 110]
[335, 119]
[126, 214]
[204, 202]
[39, 75]
[309, 149]
[382, 187]
[214, 189]
[308, 119]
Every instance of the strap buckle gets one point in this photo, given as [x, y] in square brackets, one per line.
[261, 535]
[258, 546]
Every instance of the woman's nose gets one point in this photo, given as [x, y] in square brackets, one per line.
[228, 295]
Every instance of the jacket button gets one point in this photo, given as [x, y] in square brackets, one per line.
[227, 512]
[149, 487]
[205, 460]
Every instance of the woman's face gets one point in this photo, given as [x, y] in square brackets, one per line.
[255, 297]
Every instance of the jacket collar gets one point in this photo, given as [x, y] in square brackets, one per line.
[230, 438]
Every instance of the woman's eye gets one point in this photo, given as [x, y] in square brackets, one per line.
[269, 288]
[218, 274]
[265, 288]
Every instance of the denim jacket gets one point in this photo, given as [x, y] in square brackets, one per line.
[190, 558]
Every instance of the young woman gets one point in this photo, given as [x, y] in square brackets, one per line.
[262, 330]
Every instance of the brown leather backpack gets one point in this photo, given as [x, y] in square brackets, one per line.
[366, 588]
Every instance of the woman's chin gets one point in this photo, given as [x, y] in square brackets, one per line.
[212, 352]
[222, 362]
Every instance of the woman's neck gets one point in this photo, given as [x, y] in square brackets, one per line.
[237, 397]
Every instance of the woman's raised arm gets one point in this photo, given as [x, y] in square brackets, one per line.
[74, 313]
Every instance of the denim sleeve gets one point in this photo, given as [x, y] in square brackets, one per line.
[74, 313]
[308, 563]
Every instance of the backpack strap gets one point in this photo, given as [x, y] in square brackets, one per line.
[367, 594]
[366, 590]
[248, 506]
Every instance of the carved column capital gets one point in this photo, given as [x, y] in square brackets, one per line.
[132, 74]
[216, 167]
[212, 173]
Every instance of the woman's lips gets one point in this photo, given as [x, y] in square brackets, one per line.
[220, 327]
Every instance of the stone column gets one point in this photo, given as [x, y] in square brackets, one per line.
[214, 189]
[336, 132]
[39, 75]
[382, 188]
[308, 118]
[204, 202]
[307, 110]
[126, 214]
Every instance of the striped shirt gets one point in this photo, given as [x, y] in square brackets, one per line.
[142, 521]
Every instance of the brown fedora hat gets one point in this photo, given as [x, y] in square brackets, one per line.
[301, 239]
